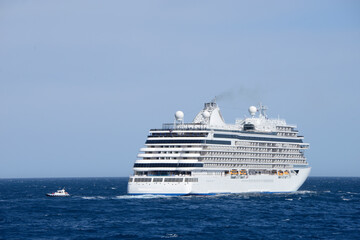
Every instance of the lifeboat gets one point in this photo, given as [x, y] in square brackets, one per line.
[234, 173]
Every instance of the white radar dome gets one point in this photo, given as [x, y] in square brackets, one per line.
[179, 115]
[252, 110]
[206, 114]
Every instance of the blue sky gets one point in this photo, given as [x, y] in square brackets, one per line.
[82, 82]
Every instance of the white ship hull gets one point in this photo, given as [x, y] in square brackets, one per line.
[210, 184]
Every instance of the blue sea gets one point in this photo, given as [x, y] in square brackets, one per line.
[99, 208]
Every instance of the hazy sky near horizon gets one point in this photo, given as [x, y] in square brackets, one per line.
[82, 82]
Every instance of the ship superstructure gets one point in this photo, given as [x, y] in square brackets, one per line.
[208, 156]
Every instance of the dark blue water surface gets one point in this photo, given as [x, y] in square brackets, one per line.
[99, 208]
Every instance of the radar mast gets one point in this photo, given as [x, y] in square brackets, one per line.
[262, 109]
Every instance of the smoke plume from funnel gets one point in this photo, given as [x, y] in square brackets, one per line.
[238, 94]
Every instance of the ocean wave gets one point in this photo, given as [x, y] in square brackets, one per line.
[304, 192]
[85, 215]
[93, 197]
[141, 196]
[352, 193]
[345, 199]
[170, 235]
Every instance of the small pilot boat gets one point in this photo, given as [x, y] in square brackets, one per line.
[59, 193]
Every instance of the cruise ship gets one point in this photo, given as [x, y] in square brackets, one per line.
[208, 156]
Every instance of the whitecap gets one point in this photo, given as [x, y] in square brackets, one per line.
[221, 194]
[289, 199]
[146, 196]
[304, 192]
[345, 199]
[88, 198]
[93, 197]
[170, 235]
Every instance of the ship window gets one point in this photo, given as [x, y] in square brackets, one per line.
[187, 141]
[142, 180]
[191, 179]
[257, 139]
[157, 179]
[173, 179]
[154, 165]
[249, 127]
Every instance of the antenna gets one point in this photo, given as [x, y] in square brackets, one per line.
[262, 110]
